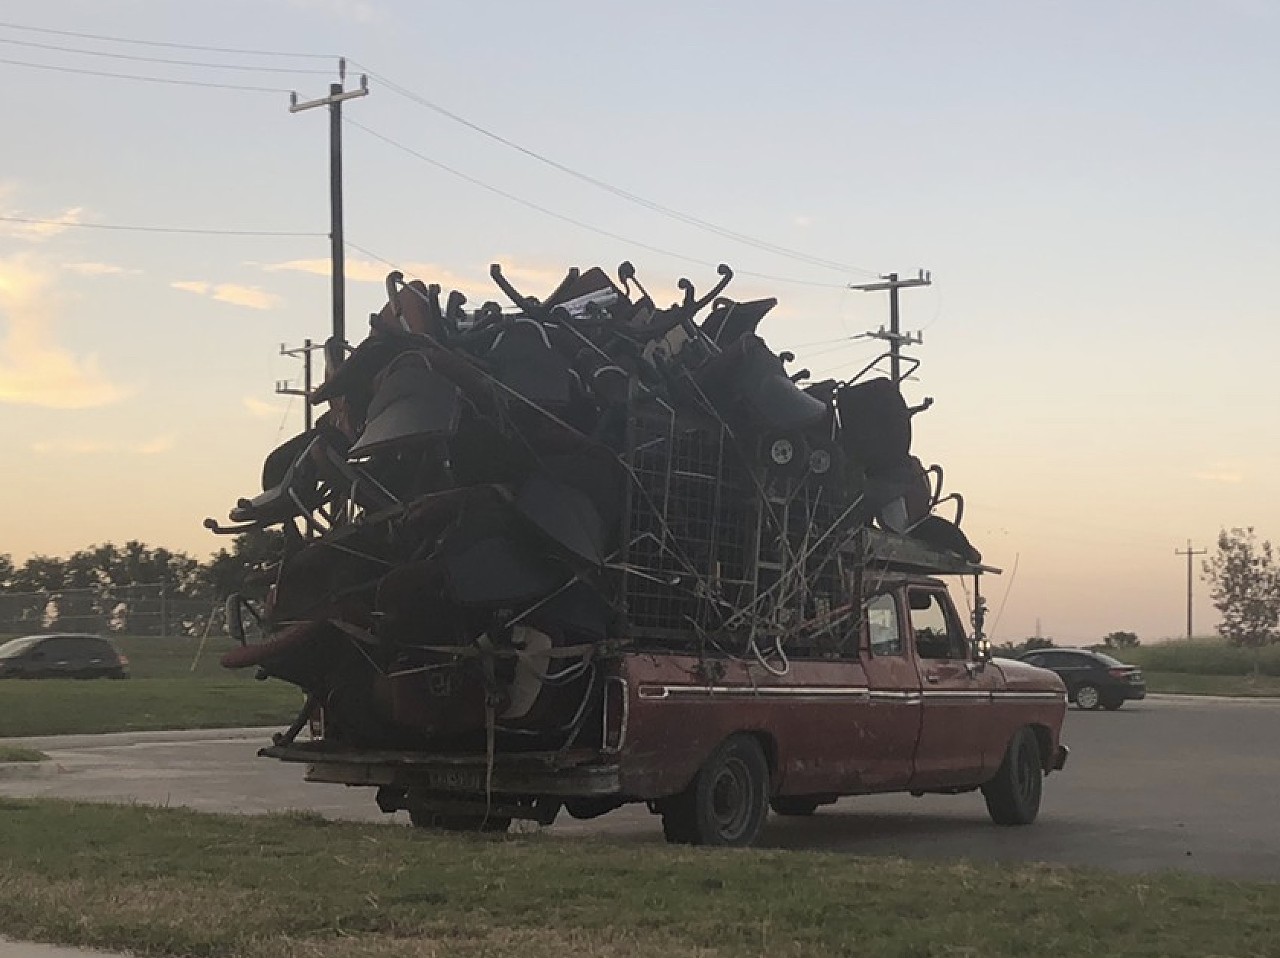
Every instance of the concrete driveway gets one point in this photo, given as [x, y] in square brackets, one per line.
[1169, 783]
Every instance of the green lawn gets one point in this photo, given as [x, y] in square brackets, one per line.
[1188, 683]
[68, 706]
[174, 882]
[14, 753]
[164, 692]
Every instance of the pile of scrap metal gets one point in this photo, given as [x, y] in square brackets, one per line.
[495, 498]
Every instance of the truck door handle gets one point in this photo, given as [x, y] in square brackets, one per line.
[932, 677]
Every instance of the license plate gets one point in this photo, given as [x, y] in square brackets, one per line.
[456, 779]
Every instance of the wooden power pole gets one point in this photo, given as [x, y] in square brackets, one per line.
[1189, 553]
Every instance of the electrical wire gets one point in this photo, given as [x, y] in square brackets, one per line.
[1013, 575]
[195, 231]
[369, 253]
[569, 219]
[162, 43]
[138, 59]
[134, 76]
[627, 195]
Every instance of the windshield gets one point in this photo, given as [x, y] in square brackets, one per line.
[17, 646]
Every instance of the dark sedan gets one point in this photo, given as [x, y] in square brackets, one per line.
[62, 655]
[1093, 679]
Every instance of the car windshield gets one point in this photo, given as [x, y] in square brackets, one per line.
[17, 646]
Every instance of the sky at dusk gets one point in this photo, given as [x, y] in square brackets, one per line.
[1092, 186]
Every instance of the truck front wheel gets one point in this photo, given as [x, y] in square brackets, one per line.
[727, 801]
[1013, 796]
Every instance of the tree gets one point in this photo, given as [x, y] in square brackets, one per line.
[1121, 640]
[1037, 642]
[247, 567]
[1245, 587]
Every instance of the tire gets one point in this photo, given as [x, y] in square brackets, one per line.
[797, 805]
[1088, 697]
[726, 803]
[1111, 704]
[454, 822]
[1013, 796]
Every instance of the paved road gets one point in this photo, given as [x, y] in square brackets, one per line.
[1165, 784]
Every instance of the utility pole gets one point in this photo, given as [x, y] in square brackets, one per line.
[894, 335]
[334, 102]
[1189, 553]
[283, 388]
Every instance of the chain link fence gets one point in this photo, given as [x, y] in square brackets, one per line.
[128, 610]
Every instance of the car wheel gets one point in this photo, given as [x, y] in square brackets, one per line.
[727, 801]
[1111, 704]
[1087, 697]
[799, 805]
[1013, 796]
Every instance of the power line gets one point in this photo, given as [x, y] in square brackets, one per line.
[648, 204]
[162, 43]
[133, 76]
[370, 254]
[195, 231]
[164, 60]
[571, 220]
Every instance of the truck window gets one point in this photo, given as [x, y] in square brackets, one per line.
[882, 622]
[935, 636]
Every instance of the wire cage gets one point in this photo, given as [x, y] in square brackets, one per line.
[716, 545]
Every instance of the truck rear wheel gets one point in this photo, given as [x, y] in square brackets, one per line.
[1013, 796]
[727, 801]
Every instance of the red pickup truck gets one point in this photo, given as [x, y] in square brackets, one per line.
[588, 552]
[710, 743]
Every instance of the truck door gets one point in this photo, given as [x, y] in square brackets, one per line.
[888, 733]
[957, 692]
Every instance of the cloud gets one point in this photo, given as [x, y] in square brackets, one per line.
[100, 269]
[34, 369]
[250, 296]
[259, 408]
[49, 226]
[371, 271]
[94, 447]
[1224, 476]
[802, 221]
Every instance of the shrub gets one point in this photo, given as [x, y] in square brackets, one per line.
[1205, 657]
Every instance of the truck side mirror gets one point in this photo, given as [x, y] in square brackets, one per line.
[980, 650]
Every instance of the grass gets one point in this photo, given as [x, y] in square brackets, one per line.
[1204, 657]
[174, 882]
[15, 753]
[1234, 685]
[67, 707]
[164, 692]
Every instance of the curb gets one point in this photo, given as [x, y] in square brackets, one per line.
[1217, 699]
[97, 740]
[26, 771]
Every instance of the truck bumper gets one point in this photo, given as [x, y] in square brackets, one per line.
[566, 774]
